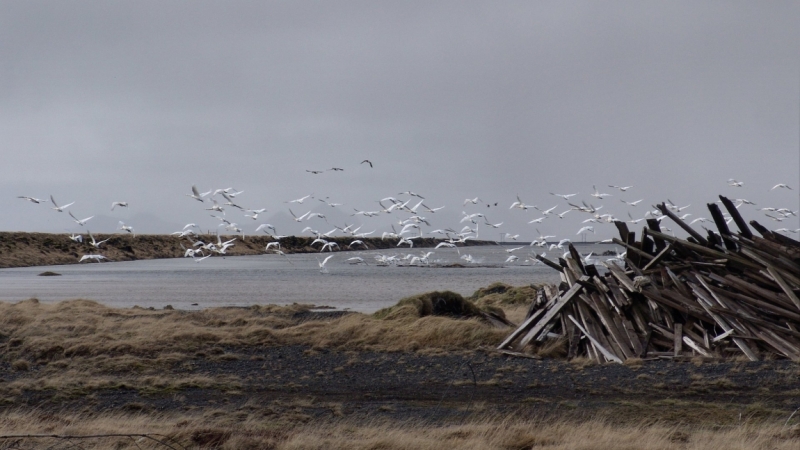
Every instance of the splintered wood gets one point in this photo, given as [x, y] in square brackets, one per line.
[726, 294]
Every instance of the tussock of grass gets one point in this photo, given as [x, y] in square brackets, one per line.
[444, 303]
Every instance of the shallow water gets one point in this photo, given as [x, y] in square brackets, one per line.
[271, 279]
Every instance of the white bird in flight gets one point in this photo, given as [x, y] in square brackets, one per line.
[120, 204]
[195, 194]
[32, 199]
[585, 229]
[301, 199]
[59, 208]
[322, 263]
[621, 188]
[127, 228]
[781, 185]
[299, 219]
[734, 183]
[474, 201]
[80, 222]
[597, 194]
[95, 243]
[96, 258]
[564, 196]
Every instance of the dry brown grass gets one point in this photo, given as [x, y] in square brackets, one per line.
[504, 295]
[243, 430]
[64, 344]
[83, 328]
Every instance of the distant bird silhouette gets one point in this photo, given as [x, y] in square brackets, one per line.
[368, 162]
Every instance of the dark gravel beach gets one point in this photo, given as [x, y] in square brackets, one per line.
[309, 383]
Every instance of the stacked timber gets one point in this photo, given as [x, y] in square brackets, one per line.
[720, 295]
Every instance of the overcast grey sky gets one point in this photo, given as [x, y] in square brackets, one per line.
[138, 101]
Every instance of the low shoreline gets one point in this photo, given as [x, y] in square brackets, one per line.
[23, 249]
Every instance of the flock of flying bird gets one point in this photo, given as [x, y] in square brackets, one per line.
[414, 222]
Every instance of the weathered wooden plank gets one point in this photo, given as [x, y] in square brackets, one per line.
[715, 254]
[660, 256]
[707, 304]
[697, 347]
[692, 232]
[744, 230]
[630, 332]
[777, 237]
[633, 250]
[722, 226]
[576, 257]
[607, 321]
[619, 274]
[595, 329]
[678, 339]
[786, 289]
[549, 263]
[622, 227]
[606, 353]
[550, 314]
[655, 225]
[521, 329]
[774, 297]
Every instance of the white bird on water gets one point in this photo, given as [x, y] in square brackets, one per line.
[59, 208]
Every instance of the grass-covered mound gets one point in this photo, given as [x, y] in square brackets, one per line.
[445, 304]
[504, 295]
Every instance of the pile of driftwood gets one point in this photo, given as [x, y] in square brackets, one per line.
[720, 295]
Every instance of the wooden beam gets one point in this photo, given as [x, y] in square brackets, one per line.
[692, 232]
[661, 255]
[551, 313]
[744, 230]
[607, 354]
